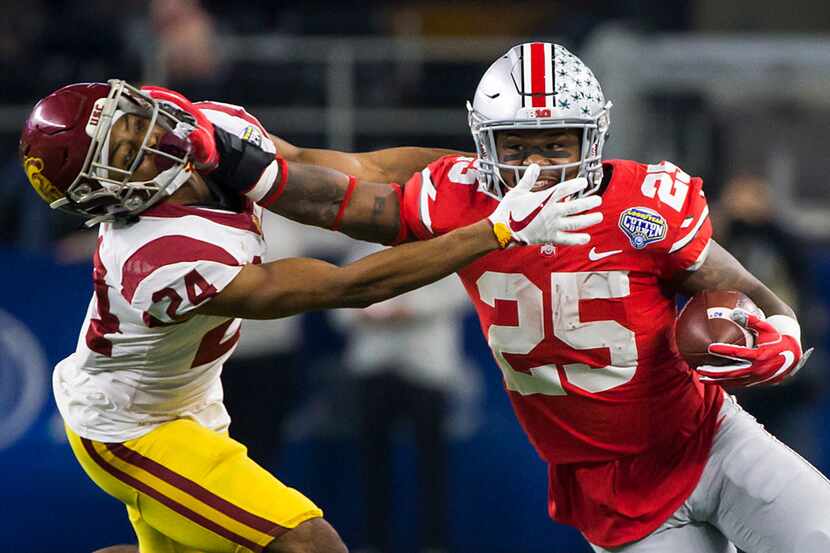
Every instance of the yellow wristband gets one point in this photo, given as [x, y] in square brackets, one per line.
[503, 234]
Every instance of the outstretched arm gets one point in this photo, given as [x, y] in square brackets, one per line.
[291, 286]
[314, 191]
[388, 165]
[315, 195]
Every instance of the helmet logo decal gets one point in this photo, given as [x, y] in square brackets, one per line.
[34, 171]
[95, 117]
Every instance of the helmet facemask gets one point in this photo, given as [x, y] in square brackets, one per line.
[593, 132]
[539, 86]
[105, 192]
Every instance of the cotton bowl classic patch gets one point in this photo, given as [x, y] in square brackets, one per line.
[643, 226]
[252, 135]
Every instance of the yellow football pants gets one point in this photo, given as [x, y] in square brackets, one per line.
[190, 489]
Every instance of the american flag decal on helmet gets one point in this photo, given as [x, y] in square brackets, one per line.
[537, 75]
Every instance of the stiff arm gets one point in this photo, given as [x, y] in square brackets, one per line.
[317, 187]
[290, 286]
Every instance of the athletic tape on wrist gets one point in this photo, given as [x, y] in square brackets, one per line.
[503, 234]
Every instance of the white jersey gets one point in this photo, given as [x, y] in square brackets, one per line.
[143, 358]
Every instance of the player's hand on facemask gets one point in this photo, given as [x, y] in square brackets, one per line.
[546, 216]
[777, 354]
[200, 134]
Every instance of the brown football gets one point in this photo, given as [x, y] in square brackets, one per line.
[706, 319]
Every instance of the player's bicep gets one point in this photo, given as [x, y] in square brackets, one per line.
[362, 166]
[720, 271]
[277, 289]
[399, 164]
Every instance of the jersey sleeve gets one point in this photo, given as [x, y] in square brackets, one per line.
[237, 121]
[684, 205]
[169, 277]
[440, 198]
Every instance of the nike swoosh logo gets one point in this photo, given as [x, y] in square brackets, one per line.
[594, 255]
[493, 96]
[517, 226]
[789, 358]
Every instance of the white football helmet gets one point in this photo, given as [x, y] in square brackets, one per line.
[539, 85]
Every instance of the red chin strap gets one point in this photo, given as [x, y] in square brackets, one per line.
[202, 140]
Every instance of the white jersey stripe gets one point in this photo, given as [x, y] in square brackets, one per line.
[265, 182]
[688, 238]
[428, 192]
[528, 76]
[549, 76]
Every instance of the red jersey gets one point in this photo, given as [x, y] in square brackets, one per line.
[582, 336]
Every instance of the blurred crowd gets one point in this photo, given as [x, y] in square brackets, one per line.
[47, 43]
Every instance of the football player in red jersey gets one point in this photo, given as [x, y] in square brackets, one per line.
[644, 454]
[178, 265]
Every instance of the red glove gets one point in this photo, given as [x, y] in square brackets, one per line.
[205, 153]
[776, 356]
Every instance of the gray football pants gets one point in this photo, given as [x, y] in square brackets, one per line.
[755, 493]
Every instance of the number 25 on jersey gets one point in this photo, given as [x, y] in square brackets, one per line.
[567, 289]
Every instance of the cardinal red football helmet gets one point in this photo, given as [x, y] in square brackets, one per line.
[64, 149]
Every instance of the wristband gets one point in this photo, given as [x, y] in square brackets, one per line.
[503, 234]
[343, 204]
[403, 229]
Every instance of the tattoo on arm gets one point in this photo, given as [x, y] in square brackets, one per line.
[312, 194]
[377, 212]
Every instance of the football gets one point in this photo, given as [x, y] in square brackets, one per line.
[705, 319]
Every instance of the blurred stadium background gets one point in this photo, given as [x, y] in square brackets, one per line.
[737, 92]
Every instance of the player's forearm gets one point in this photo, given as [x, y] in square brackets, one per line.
[315, 195]
[394, 271]
[289, 286]
[722, 271]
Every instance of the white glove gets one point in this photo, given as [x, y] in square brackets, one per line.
[526, 217]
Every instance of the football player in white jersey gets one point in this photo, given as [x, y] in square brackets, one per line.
[645, 455]
[177, 265]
